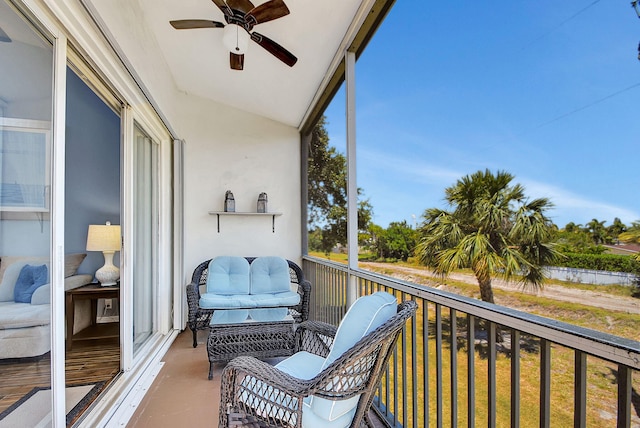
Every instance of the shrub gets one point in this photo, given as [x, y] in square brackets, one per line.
[606, 262]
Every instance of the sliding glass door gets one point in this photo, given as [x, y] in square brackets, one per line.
[146, 223]
[26, 166]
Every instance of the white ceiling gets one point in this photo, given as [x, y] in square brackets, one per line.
[199, 64]
[23, 79]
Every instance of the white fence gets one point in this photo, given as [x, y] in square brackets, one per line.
[586, 276]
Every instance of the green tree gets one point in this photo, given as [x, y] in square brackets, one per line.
[598, 231]
[327, 192]
[370, 239]
[397, 241]
[492, 228]
[571, 227]
[575, 239]
[632, 235]
[615, 229]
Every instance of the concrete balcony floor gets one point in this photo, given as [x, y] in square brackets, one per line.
[181, 394]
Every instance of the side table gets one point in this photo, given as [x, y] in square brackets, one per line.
[91, 292]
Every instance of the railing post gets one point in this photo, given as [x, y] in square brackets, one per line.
[352, 186]
[515, 378]
[624, 396]
[545, 383]
[580, 390]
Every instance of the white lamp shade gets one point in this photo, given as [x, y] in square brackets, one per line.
[105, 238]
[235, 39]
[102, 237]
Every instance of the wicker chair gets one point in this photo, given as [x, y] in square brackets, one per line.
[199, 318]
[256, 394]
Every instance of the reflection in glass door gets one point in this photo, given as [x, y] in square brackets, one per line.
[145, 227]
[26, 167]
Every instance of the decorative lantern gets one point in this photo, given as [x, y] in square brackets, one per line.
[262, 203]
[229, 202]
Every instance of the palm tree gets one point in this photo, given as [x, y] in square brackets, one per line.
[598, 231]
[492, 229]
[632, 235]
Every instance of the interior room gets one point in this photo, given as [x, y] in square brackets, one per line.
[92, 197]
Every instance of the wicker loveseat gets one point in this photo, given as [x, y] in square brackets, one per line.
[231, 304]
[329, 382]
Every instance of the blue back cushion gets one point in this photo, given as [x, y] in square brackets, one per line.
[228, 275]
[29, 280]
[364, 316]
[270, 275]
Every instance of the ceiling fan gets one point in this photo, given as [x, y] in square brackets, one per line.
[241, 16]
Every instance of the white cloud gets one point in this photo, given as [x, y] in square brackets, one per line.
[414, 169]
[569, 206]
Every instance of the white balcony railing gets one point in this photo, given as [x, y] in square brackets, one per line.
[464, 362]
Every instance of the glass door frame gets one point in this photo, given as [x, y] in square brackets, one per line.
[52, 19]
[163, 304]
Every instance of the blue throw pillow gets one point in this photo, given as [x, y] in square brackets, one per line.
[29, 280]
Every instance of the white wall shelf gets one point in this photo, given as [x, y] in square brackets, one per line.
[247, 214]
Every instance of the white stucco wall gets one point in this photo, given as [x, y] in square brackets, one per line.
[227, 149]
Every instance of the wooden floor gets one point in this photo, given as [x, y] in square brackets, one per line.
[88, 362]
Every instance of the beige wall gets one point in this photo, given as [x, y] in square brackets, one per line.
[227, 149]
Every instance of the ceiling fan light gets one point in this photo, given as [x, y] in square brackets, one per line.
[235, 39]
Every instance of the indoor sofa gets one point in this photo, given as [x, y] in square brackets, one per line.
[25, 324]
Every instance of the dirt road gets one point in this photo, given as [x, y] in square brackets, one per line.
[584, 297]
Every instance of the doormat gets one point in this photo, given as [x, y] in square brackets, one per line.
[34, 409]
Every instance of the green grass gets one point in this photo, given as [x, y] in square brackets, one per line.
[602, 387]
[601, 396]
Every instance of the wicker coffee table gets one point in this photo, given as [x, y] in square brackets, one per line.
[260, 339]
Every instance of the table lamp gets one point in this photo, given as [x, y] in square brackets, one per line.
[105, 238]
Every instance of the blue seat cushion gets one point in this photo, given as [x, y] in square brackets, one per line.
[270, 275]
[273, 300]
[29, 280]
[228, 275]
[310, 419]
[302, 365]
[220, 301]
[248, 301]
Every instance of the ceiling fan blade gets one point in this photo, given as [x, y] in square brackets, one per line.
[4, 37]
[243, 6]
[275, 49]
[185, 24]
[268, 11]
[223, 7]
[236, 61]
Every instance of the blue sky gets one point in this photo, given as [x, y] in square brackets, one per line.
[545, 90]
